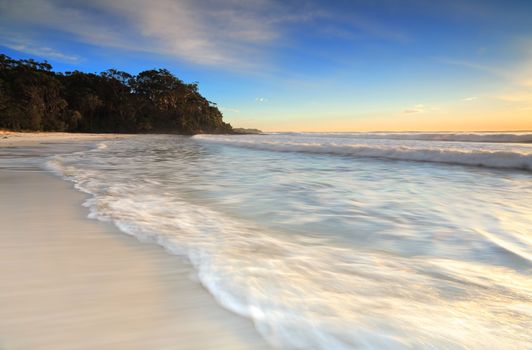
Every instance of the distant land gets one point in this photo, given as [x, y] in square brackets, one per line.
[35, 98]
[246, 131]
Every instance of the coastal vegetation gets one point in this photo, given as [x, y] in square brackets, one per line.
[35, 98]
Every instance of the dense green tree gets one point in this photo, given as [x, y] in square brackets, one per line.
[34, 98]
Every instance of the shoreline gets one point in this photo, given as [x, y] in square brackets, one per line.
[70, 282]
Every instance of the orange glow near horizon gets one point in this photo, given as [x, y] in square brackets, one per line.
[519, 121]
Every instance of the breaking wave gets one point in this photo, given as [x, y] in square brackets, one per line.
[408, 147]
[501, 137]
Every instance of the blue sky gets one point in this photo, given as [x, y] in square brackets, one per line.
[304, 65]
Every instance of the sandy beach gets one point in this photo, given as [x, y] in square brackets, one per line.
[68, 282]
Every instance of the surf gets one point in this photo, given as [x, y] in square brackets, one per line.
[438, 148]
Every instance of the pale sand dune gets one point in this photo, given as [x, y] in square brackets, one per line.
[67, 282]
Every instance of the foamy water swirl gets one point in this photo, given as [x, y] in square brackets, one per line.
[329, 252]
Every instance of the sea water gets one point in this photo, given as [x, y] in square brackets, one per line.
[336, 240]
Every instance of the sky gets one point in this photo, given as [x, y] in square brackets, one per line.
[381, 65]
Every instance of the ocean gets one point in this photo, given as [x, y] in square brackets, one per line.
[336, 240]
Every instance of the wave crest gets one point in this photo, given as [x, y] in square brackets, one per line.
[484, 155]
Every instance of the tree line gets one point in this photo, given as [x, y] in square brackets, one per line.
[35, 98]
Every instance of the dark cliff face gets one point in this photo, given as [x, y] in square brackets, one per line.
[34, 98]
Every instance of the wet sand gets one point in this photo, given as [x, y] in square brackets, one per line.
[68, 282]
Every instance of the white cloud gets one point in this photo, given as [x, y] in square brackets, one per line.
[234, 34]
[229, 33]
[261, 99]
[467, 99]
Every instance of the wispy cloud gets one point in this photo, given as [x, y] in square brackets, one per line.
[31, 48]
[261, 100]
[518, 73]
[419, 108]
[377, 29]
[516, 97]
[222, 33]
[473, 65]
[468, 99]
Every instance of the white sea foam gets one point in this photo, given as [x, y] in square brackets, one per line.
[306, 291]
[502, 137]
[408, 147]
